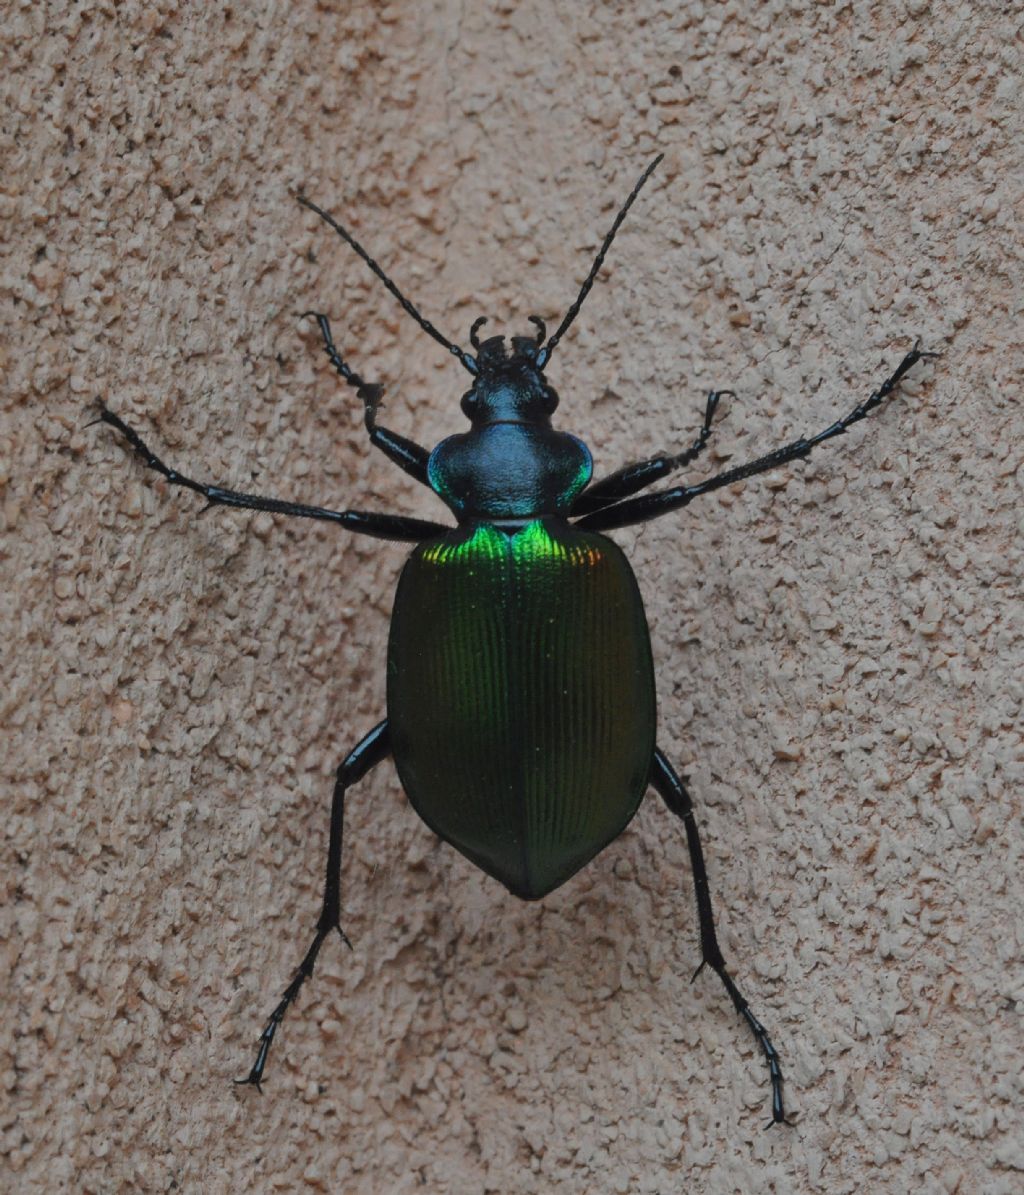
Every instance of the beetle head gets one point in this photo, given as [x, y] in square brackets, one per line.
[509, 387]
[506, 389]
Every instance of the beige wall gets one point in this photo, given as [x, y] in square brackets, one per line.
[838, 646]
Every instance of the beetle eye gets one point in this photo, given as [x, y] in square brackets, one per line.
[549, 399]
[469, 404]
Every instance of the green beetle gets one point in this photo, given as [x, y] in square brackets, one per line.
[521, 698]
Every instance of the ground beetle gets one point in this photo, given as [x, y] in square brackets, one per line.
[520, 687]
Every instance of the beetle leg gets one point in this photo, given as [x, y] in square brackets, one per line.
[407, 454]
[630, 479]
[382, 526]
[673, 792]
[370, 751]
[650, 506]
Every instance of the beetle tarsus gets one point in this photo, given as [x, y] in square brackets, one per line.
[405, 453]
[266, 1039]
[100, 406]
[689, 455]
[255, 1076]
[371, 393]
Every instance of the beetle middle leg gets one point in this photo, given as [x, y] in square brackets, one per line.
[651, 506]
[630, 479]
[673, 792]
[369, 751]
[405, 453]
[382, 526]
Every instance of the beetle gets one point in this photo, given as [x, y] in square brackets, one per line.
[520, 682]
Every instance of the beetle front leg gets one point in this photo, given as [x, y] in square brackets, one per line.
[381, 526]
[405, 453]
[673, 792]
[370, 751]
[630, 479]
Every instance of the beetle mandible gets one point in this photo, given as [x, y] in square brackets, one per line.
[520, 686]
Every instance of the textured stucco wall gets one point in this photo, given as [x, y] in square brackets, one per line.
[839, 646]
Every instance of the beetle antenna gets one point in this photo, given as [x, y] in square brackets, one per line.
[545, 354]
[468, 361]
[542, 328]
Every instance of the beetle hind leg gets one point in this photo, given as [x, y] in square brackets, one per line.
[673, 792]
[370, 750]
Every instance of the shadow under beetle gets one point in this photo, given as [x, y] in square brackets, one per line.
[520, 686]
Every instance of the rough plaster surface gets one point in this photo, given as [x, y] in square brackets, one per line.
[839, 646]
